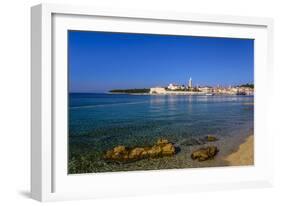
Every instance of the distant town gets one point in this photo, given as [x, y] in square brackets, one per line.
[189, 89]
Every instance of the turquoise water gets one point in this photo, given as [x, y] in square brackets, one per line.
[98, 122]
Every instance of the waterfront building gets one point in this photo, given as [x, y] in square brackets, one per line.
[173, 87]
[157, 90]
[246, 90]
[205, 89]
[190, 83]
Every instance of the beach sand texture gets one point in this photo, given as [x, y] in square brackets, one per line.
[244, 155]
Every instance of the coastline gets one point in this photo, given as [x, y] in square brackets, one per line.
[178, 94]
[244, 155]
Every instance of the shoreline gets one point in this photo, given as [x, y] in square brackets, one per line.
[244, 155]
[177, 94]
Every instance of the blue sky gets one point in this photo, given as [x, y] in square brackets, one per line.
[101, 61]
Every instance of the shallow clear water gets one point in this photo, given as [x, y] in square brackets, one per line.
[98, 122]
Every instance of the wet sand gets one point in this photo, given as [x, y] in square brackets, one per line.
[244, 155]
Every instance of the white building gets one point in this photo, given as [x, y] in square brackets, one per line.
[190, 83]
[205, 89]
[157, 90]
[173, 87]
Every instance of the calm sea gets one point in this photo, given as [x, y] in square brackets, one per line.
[98, 122]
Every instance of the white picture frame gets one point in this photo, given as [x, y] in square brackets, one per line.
[49, 178]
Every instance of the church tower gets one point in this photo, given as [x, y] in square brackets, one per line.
[190, 83]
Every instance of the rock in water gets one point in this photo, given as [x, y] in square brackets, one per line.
[192, 141]
[168, 149]
[211, 138]
[116, 153]
[119, 149]
[136, 153]
[122, 154]
[205, 153]
[154, 151]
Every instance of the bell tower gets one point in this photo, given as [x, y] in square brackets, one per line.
[190, 83]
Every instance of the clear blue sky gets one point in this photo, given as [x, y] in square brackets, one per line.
[101, 61]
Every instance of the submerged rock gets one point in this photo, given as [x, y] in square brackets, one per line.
[191, 142]
[211, 138]
[122, 154]
[200, 141]
[205, 153]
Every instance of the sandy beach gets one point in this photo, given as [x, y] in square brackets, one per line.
[244, 155]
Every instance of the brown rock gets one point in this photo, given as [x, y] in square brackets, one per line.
[168, 149]
[108, 154]
[136, 153]
[154, 151]
[123, 154]
[212, 151]
[116, 153]
[206, 153]
[119, 149]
